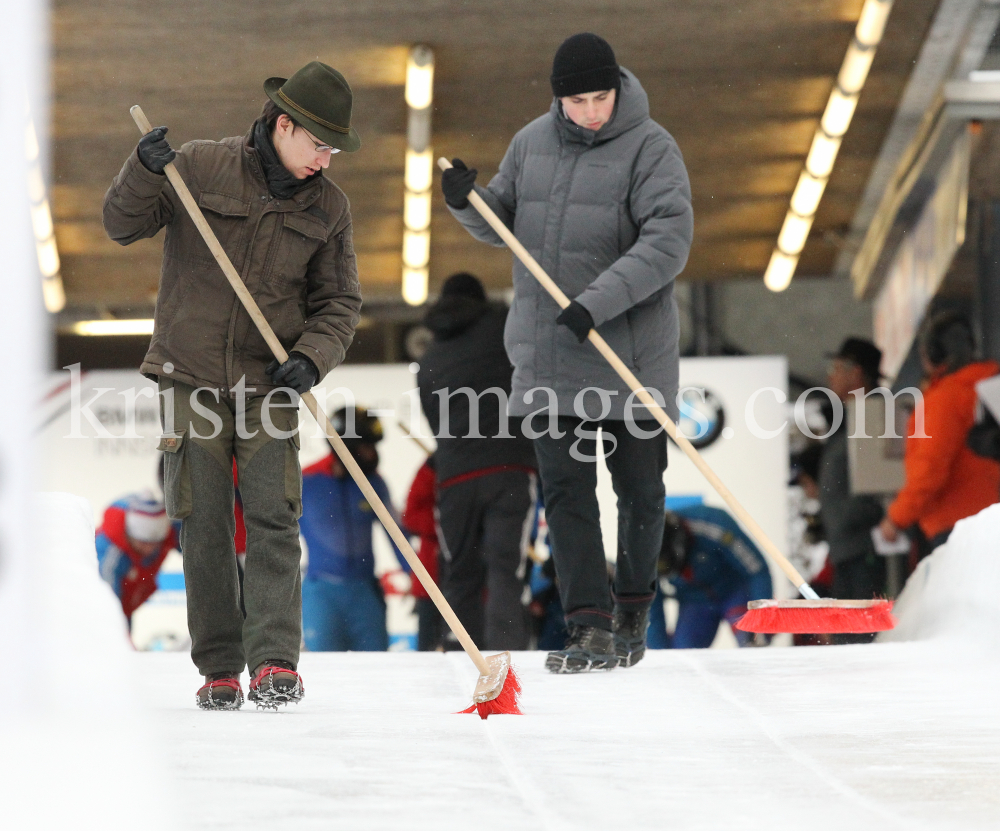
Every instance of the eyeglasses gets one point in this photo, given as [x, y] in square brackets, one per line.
[320, 148]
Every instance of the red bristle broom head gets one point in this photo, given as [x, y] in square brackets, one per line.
[814, 617]
[497, 692]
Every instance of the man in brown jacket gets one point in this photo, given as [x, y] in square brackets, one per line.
[287, 230]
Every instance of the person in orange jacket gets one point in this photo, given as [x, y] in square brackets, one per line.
[945, 480]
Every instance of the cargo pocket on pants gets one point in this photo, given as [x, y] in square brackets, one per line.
[176, 475]
[293, 475]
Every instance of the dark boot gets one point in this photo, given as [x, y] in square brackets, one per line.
[275, 682]
[587, 648]
[221, 691]
[630, 628]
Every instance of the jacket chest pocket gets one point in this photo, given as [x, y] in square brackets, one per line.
[301, 237]
[227, 214]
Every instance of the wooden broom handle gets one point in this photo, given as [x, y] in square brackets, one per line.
[343, 454]
[557, 293]
[419, 442]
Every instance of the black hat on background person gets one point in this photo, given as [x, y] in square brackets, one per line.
[862, 353]
[584, 63]
[319, 98]
[463, 284]
[357, 424]
[461, 303]
[361, 431]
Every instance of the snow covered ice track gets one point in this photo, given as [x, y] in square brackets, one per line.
[904, 735]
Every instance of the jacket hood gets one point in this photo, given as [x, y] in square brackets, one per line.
[631, 109]
[969, 374]
[453, 314]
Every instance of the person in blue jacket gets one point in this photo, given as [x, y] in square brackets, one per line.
[713, 569]
[343, 606]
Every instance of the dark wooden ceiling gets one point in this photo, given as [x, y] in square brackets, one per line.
[740, 83]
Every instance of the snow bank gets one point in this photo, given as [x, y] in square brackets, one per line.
[84, 757]
[955, 592]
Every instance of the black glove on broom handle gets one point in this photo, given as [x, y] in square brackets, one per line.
[559, 296]
[343, 454]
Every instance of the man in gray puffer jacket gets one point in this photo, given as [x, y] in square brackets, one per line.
[598, 193]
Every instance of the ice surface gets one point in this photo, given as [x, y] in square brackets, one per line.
[888, 736]
[893, 735]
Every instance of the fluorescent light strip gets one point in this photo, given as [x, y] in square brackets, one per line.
[420, 78]
[141, 326]
[53, 294]
[415, 286]
[826, 144]
[418, 176]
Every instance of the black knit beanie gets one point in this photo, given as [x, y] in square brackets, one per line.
[584, 63]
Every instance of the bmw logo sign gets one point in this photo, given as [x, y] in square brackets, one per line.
[702, 416]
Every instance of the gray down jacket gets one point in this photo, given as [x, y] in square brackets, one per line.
[608, 216]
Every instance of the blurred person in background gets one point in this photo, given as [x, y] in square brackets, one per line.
[486, 487]
[545, 607]
[287, 229]
[713, 570]
[418, 519]
[132, 543]
[343, 602]
[598, 193]
[809, 551]
[945, 480]
[848, 519]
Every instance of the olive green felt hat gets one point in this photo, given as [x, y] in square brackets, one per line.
[320, 99]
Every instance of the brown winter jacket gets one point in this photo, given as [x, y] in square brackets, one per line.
[295, 256]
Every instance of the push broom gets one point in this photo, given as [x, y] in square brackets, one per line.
[813, 614]
[498, 687]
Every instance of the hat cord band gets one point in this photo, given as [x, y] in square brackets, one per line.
[308, 114]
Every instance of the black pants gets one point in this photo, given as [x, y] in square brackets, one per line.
[484, 525]
[429, 625]
[569, 484]
[860, 578]
[925, 546]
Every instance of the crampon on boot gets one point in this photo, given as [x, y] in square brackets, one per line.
[587, 648]
[221, 691]
[629, 628]
[275, 682]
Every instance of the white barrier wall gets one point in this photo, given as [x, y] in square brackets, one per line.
[98, 458]
[99, 440]
[753, 467]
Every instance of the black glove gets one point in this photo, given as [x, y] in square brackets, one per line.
[457, 182]
[577, 319]
[154, 152]
[298, 372]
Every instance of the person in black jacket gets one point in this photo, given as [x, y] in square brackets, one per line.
[858, 572]
[485, 467]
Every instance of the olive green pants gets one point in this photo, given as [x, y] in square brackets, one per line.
[202, 436]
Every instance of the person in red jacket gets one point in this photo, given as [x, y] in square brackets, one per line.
[945, 480]
[132, 543]
[418, 518]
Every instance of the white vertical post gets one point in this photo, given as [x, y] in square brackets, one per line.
[22, 341]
